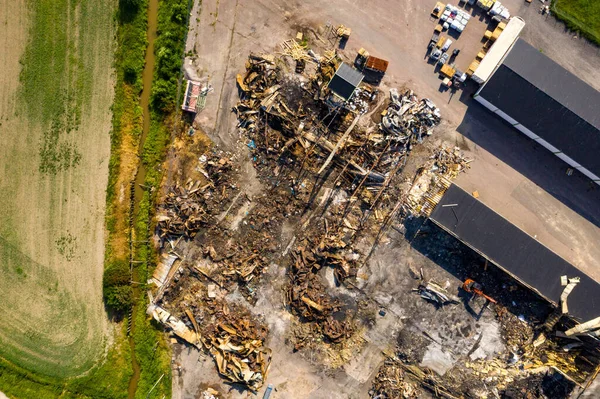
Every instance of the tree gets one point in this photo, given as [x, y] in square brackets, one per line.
[130, 4]
[119, 298]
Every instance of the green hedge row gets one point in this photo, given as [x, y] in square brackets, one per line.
[151, 347]
[169, 47]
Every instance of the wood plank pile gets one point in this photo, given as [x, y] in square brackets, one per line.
[186, 208]
[308, 297]
[293, 49]
[233, 337]
[433, 180]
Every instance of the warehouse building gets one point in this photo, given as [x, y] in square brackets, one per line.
[513, 250]
[548, 104]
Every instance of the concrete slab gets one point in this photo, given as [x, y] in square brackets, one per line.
[436, 359]
[593, 390]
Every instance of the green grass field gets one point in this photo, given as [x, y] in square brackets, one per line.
[53, 339]
[58, 77]
[580, 15]
[52, 180]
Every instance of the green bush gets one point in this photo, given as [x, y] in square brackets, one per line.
[119, 298]
[117, 273]
[129, 7]
[162, 95]
[172, 29]
[130, 73]
[118, 294]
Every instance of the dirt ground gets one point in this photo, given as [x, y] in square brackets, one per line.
[52, 233]
[529, 179]
[521, 181]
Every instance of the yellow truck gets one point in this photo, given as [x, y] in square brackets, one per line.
[441, 41]
[447, 71]
[438, 10]
[343, 32]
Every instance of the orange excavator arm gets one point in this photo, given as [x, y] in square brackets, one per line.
[475, 288]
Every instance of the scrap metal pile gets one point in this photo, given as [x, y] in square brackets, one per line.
[407, 117]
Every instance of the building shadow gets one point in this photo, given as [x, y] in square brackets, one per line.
[527, 157]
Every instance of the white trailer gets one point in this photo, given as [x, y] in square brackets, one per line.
[499, 49]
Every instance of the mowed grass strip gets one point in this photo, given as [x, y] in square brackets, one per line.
[55, 343]
[580, 15]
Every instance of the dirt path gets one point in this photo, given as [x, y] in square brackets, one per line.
[52, 235]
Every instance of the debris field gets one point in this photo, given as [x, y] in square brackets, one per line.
[343, 179]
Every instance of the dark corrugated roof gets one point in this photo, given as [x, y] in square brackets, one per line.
[345, 81]
[514, 251]
[554, 80]
[543, 115]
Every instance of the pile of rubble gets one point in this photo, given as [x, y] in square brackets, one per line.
[303, 146]
[236, 264]
[390, 383]
[296, 136]
[482, 379]
[396, 379]
[236, 343]
[433, 179]
[303, 123]
[408, 118]
[436, 294]
[187, 208]
[183, 214]
[295, 126]
[234, 338]
[308, 298]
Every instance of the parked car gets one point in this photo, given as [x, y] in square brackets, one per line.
[446, 45]
[444, 58]
[436, 54]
